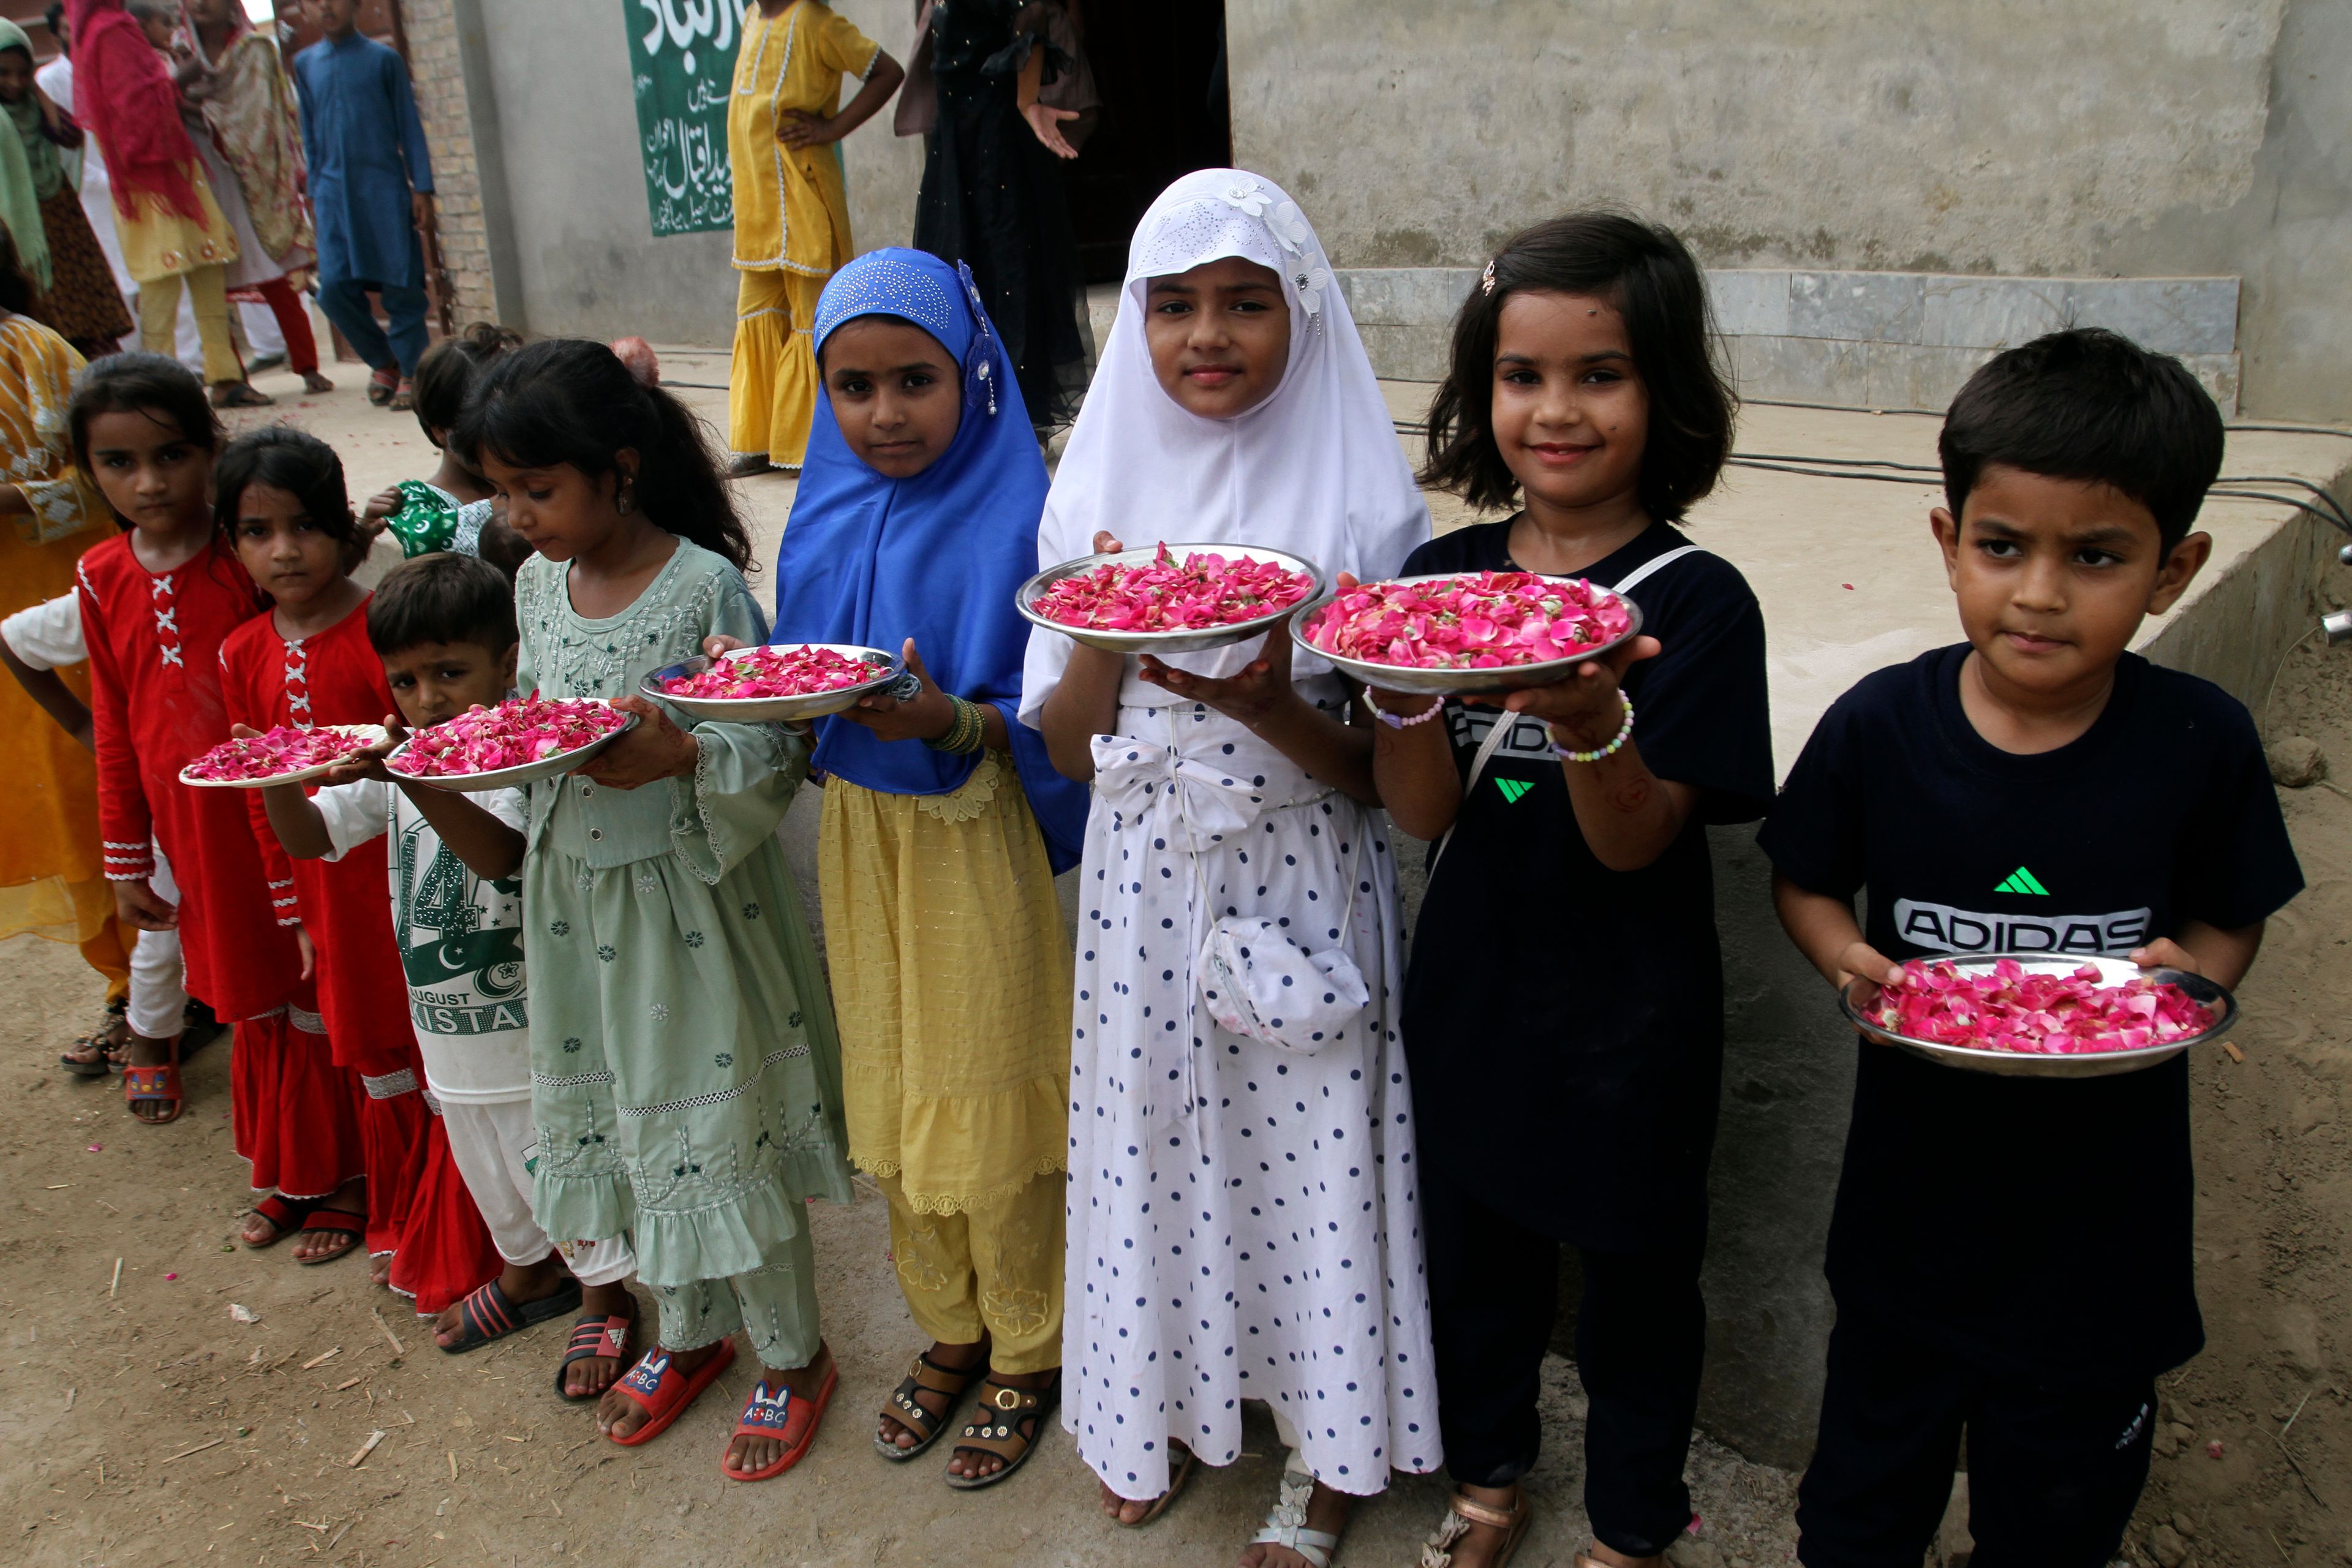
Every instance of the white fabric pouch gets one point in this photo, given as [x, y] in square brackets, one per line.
[1260, 985]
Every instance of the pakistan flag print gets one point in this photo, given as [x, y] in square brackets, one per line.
[461, 942]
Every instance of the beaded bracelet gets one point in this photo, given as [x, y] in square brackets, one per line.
[1392, 721]
[1624, 733]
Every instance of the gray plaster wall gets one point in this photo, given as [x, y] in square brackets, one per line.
[2140, 137]
[572, 244]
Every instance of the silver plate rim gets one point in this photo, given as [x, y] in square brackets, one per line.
[2026, 1064]
[1462, 682]
[1026, 597]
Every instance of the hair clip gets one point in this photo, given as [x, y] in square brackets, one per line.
[1486, 277]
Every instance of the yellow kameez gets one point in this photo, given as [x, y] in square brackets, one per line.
[951, 987]
[791, 219]
[52, 881]
[161, 246]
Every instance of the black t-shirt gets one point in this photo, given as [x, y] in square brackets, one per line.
[1564, 1021]
[2037, 1226]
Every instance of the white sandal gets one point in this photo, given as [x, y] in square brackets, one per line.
[1287, 1525]
[1461, 1512]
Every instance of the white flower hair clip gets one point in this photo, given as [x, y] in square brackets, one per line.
[1486, 277]
[1250, 197]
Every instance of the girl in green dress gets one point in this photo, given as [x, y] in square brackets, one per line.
[685, 1073]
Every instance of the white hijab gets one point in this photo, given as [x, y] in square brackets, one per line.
[1315, 470]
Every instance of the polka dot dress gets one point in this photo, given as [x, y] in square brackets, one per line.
[1242, 1217]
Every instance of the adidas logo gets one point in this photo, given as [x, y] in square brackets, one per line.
[1514, 788]
[2023, 881]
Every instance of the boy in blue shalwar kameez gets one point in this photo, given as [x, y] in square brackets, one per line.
[371, 193]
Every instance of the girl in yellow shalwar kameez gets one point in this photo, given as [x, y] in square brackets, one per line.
[791, 211]
[52, 881]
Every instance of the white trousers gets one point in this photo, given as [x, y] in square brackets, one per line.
[491, 1142]
[158, 991]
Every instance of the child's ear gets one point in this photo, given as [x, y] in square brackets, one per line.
[1947, 530]
[507, 664]
[2179, 570]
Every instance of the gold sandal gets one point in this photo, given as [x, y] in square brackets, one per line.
[925, 1376]
[1012, 1422]
[1463, 1513]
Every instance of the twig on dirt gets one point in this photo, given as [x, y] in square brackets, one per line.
[116, 1283]
[397, 1348]
[347, 1383]
[2296, 1417]
[356, 1460]
[69, 1398]
[2235, 1054]
[453, 1464]
[323, 1358]
[197, 1449]
[341, 1533]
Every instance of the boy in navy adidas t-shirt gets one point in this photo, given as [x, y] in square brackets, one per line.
[2010, 1256]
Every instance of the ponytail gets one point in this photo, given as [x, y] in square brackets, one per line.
[572, 402]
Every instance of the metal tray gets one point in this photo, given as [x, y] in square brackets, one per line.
[1176, 641]
[512, 778]
[374, 734]
[2085, 1064]
[1458, 682]
[775, 710]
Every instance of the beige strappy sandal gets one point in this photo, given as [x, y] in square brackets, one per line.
[1463, 1513]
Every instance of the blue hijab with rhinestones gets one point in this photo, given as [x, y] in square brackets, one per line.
[871, 560]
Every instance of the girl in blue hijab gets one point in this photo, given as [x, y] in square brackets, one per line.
[944, 823]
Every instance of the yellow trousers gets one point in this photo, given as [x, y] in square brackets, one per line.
[772, 389]
[994, 1271]
[159, 320]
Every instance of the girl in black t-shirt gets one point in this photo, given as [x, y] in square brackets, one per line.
[1565, 990]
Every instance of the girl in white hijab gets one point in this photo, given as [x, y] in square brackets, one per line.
[1242, 1219]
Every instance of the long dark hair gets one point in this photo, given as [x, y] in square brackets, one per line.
[570, 401]
[18, 289]
[164, 390]
[1650, 276]
[301, 464]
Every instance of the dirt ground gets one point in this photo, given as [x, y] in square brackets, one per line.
[173, 1399]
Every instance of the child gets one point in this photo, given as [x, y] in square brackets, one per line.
[1987, 1229]
[445, 630]
[951, 969]
[170, 224]
[281, 504]
[1581, 385]
[370, 204]
[686, 1077]
[791, 210]
[157, 602]
[78, 299]
[1234, 405]
[454, 509]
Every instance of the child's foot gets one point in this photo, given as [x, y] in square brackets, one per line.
[977, 1464]
[523, 1283]
[749, 465]
[959, 1360]
[591, 1376]
[143, 1052]
[404, 397]
[619, 1416]
[382, 384]
[313, 382]
[1326, 1514]
[1482, 1523]
[102, 1050]
[751, 1452]
[320, 1241]
[380, 1270]
[1126, 1510]
[239, 395]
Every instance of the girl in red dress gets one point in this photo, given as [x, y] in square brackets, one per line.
[280, 500]
[157, 604]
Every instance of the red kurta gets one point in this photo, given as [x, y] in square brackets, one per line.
[156, 702]
[334, 676]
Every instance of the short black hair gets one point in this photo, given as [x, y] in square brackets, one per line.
[162, 389]
[1651, 276]
[449, 370]
[2091, 405]
[18, 292]
[442, 598]
[301, 464]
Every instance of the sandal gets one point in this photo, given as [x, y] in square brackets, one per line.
[785, 1416]
[240, 395]
[1176, 1479]
[664, 1394]
[156, 1085]
[1014, 1418]
[404, 398]
[381, 385]
[102, 1058]
[925, 1376]
[489, 1313]
[593, 1337]
[284, 1216]
[1287, 1525]
[1466, 1511]
[335, 1222]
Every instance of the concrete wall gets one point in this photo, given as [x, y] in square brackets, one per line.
[2107, 136]
[570, 242]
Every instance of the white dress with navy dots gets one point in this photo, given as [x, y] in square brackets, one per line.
[1243, 1221]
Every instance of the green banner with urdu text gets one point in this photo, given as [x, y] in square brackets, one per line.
[682, 65]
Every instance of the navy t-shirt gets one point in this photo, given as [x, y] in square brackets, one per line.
[2035, 1226]
[1564, 1021]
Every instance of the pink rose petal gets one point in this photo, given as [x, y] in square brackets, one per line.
[485, 739]
[284, 750]
[2009, 1009]
[1206, 590]
[794, 671]
[1480, 620]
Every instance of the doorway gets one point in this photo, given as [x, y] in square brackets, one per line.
[1160, 70]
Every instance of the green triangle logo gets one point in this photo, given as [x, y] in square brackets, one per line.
[2023, 881]
[1514, 788]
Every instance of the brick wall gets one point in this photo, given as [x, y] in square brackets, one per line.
[432, 31]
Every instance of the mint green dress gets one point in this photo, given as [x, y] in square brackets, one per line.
[686, 1075]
